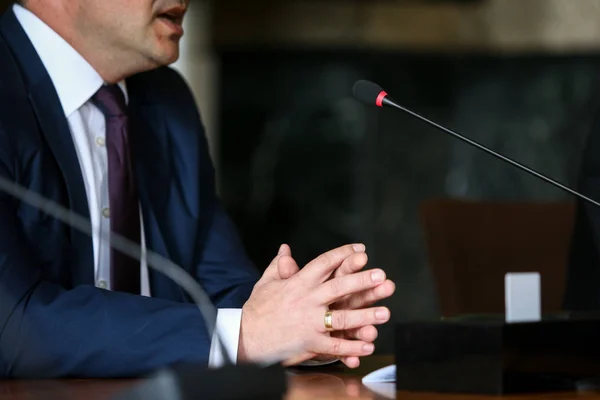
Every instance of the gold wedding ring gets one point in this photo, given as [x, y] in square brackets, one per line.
[329, 320]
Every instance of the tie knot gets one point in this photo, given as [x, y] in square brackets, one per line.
[111, 101]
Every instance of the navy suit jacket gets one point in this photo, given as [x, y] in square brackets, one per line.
[53, 321]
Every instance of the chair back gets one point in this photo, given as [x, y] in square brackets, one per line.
[472, 245]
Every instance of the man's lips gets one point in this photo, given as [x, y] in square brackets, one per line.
[173, 17]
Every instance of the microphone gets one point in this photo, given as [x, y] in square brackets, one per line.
[249, 381]
[371, 93]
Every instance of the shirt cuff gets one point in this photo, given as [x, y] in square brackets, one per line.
[228, 328]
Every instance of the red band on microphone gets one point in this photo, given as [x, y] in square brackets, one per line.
[380, 98]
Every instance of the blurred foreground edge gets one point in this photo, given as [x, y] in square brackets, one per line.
[186, 382]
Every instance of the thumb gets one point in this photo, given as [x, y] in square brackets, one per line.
[272, 271]
[287, 266]
[284, 250]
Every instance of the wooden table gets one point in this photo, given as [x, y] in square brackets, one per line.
[331, 382]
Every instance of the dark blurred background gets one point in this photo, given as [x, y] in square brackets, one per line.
[300, 161]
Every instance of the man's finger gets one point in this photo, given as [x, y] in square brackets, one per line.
[272, 271]
[343, 320]
[352, 264]
[351, 362]
[321, 268]
[337, 288]
[370, 296]
[366, 333]
[286, 267]
[343, 348]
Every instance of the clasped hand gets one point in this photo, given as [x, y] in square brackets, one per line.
[284, 316]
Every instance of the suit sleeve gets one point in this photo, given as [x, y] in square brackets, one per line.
[223, 268]
[47, 331]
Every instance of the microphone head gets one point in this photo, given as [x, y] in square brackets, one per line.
[369, 92]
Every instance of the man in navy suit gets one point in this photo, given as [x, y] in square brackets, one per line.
[91, 118]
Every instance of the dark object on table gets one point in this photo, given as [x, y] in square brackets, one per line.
[485, 355]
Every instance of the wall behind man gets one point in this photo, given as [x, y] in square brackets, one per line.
[300, 161]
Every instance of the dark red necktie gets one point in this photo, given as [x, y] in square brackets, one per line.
[122, 193]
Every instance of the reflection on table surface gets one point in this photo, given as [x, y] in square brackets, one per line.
[328, 382]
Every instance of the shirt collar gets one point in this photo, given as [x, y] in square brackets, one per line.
[74, 79]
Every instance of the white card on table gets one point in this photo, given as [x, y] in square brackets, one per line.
[523, 297]
[385, 374]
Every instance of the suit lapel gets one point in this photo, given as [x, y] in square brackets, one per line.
[149, 141]
[58, 136]
[149, 138]
[55, 128]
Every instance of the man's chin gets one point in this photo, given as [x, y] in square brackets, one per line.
[166, 57]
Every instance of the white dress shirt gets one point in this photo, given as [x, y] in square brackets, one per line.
[76, 81]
